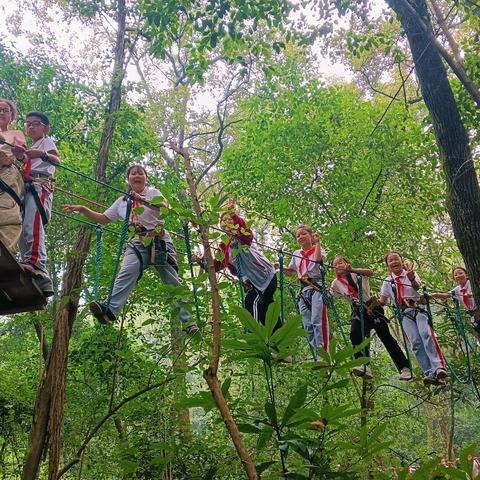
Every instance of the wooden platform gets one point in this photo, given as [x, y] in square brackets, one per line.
[18, 291]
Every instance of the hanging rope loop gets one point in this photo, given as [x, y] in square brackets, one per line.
[121, 241]
[98, 261]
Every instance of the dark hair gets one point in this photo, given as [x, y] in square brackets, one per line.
[136, 165]
[459, 268]
[390, 253]
[41, 116]
[304, 227]
[341, 257]
[13, 107]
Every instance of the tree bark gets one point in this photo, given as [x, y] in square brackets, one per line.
[463, 192]
[423, 21]
[49, 404]
[211, 372]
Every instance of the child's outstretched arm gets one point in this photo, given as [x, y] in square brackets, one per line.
[92, 215]
[441, 295]
[51, 156]
[364, 272]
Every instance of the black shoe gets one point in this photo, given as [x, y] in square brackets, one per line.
[432, 380]
[101, 313]
[45, 284]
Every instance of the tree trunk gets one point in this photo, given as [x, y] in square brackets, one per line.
[463, 192]
[49, 404]
[211, 372]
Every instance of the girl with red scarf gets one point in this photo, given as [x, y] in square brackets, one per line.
[306, 263]
[346, 285]
[463, 293]
[401, 287]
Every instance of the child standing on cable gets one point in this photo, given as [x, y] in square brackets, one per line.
[307, 263]
[11, 182]
[463, 293]
[244, 260]
[401, 287]
[346, 285]
[152, 245]
[38, 170]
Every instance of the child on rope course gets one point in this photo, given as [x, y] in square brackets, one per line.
[346, 285]
[11, 183]
[152, 245]
[38, 170]
[242, 258]
[463, 293]
[402, 286]
[306, 263]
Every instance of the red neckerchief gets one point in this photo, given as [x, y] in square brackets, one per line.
[351, 290]
[133, 213]
[465, 298]
[305, 259]
[399, 284]
[226, 253]
[26, 169]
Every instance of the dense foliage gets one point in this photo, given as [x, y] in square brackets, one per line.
[292, 147]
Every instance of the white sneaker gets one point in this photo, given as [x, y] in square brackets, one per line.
[363, 371]
[287, 359]
[406, 374]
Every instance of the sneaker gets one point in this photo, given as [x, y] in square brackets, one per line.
[441, 374]
[287, 359]
[102, 314]
[406, 374]
[432, 380]
[363, 371]
[192, 330]
[45, 285]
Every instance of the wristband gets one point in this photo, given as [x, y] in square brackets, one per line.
[46, 158]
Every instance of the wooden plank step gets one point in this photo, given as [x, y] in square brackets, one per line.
[18, 290]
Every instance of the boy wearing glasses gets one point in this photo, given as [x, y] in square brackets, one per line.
[38, 169]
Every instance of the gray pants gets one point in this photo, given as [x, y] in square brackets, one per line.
[423, 341]
[32, 242]
[132, 269]
[314, 317]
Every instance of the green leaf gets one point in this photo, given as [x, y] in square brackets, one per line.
[296, 401]
[249, 323]
[248, 428]
[264, 437]
[272, 317]
[271, 412]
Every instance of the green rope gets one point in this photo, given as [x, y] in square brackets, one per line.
[121, 241]
[328, 300]
[282, 288]
[188, 248]
[398, 314]
[83, 175]
[361, 312]
[237, 264]
[98, 261]
[460, 329]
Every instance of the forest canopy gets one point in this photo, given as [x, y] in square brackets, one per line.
[285, 146]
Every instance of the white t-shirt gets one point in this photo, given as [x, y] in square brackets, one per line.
[458, 293]
[408, 291]
[306, 265]
[38, 165]
[340, 288]
[149, 218]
